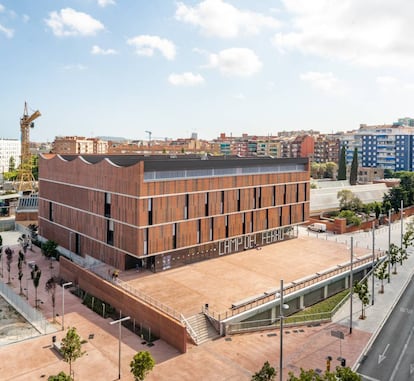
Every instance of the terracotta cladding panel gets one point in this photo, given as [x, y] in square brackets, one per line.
[187, 233]
[273, 218]
[155, 239]
[267, 196]
[290, 193]
[285, 215]
[246, 198]
[124, 209]
[235, 224]
[259, 220]
[205, 230]
[230, 201]
[219, 228]
[196, 205]
[280, 194]
[125, 238]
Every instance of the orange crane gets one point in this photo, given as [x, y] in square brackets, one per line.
[26, 179]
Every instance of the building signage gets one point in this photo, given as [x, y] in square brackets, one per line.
[250, 241]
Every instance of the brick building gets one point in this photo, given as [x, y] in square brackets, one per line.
[160, 212]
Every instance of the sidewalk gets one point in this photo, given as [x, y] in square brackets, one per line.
[227, 358]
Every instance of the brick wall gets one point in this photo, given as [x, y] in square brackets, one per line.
[162, 326]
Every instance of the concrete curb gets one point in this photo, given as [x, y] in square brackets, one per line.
[381, 325]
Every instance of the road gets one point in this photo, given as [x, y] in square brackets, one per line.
[391, 357]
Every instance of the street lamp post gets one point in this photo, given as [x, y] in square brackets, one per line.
[281, 317]
[373, 260]
[119, 321]
[389, 246]
[63, 303]
[402, 223]
[351, 281]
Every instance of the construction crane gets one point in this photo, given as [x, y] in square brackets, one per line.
[26, 179]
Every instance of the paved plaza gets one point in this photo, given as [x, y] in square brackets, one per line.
[218, 282]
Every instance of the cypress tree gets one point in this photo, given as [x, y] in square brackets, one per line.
[342, 165]
[353, 175]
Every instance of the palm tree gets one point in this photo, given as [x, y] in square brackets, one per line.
[35, 275]
[9, 255]
[20, 268]
[51, 289]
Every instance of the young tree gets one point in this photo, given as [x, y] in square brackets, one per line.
[141, 364]
[9, 256]
[51, 289]
[342, 164]
[71, 347]
[20, 268]
[340, 374]
[393, 256]
[353, 175]
[267, 373]
[1, 254]
[362, 290]
[62, 376]
[35, 274]
[331, 169]
[49, 249]
[381, 272]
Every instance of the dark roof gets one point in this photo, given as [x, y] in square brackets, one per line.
[181, 162]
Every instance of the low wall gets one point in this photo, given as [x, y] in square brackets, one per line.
[163, 326]
[338, 226]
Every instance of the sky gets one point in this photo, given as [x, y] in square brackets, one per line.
[125, 67]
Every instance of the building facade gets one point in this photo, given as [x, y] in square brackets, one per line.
[158, 212]
[79, 145]
[9, 148]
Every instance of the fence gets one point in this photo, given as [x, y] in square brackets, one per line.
[33, 316]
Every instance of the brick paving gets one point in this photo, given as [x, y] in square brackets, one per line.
[219, 282]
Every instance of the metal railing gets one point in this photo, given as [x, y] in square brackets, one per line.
[291, 287]
[103, 273]
[32, 315]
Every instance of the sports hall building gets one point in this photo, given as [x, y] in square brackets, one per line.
[161, 212]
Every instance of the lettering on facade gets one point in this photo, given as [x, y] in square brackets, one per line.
[233, 245]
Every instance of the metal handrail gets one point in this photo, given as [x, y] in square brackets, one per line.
[290, 288]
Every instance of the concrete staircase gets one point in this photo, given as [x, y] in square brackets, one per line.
[202, 327]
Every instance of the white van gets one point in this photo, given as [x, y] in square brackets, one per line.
[317, 227]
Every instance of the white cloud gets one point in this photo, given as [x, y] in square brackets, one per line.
[69, 22]
[218, 18]
[369, 32]
[104, 52]
[386, 80]
[105, 3]
[2, 8]
[146, 45]
[186, 79]
[240, 97]
[326, 82]
[79, 67]
[235, 62]
[8, 32]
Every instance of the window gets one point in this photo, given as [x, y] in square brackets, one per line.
[146, 241]
[174, 236]
[50, 211]
[110, 232]
[186, 207]
[150, 211]
[107, 209]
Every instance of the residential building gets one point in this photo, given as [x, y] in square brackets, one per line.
[79, 145]
[161, 212]
[326, 149]
[9, 148]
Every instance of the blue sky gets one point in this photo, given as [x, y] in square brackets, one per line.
[123, 67]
